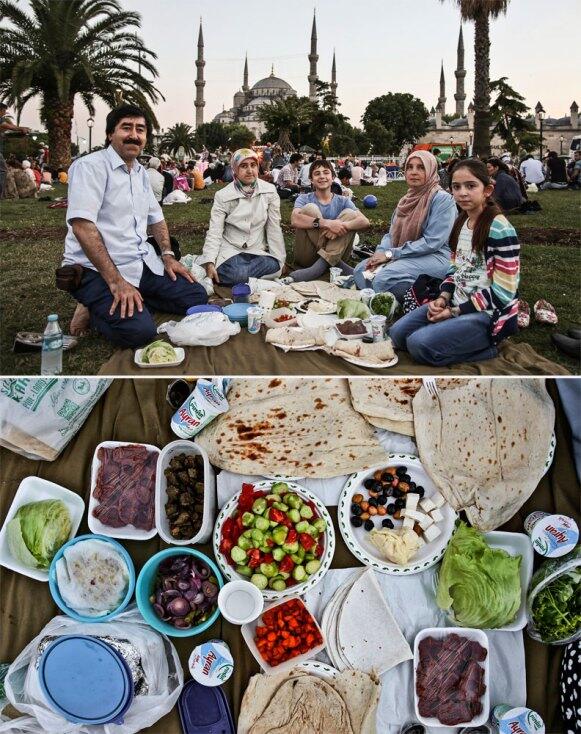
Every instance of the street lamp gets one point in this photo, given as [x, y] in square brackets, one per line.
[561, 140]
[470, 139]
[452, 144]
[90, 123]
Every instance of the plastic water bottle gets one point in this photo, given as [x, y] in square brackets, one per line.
[52, 347]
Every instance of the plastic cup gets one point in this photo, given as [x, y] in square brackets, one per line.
[552, 536]
[240, 601]
[211, 663]
[378, 324]
[254, 319]
[366, 295]
[334, 273]
[510, 719]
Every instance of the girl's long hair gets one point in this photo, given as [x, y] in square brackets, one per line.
[491, 210]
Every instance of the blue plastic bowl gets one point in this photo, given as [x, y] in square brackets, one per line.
[237, 312]
[207, 308]
[53, 585]
[146, 582]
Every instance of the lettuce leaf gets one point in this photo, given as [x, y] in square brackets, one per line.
[479, 585]
[37, 531]
[347, 308]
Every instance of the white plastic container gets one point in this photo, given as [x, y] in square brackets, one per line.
[35, 489]
[472, 634]
[127, 532]
[240, 601]
[183, 446]
[248, 632]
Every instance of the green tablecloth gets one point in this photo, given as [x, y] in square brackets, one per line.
[135, 410]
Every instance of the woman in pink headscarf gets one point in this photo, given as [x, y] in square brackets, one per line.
[417, 241]
[244, 239]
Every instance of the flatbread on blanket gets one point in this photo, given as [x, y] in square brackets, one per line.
[376, 352]
[294, 427]
[485, 444]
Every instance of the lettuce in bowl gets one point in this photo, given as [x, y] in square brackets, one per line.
[478, 586]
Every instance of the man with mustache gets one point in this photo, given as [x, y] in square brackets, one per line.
[119, 276]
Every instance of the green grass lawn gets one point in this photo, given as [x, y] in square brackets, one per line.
[33, 238]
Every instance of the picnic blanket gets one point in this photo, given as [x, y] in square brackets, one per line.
[249, 354]
[135, 410]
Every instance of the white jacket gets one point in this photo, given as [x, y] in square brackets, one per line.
[239, 225]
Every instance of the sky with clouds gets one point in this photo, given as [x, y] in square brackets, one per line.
[381, 46]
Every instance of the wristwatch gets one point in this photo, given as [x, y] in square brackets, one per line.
[454, 311]
[316, 222]
[388, 255]
[167, 253]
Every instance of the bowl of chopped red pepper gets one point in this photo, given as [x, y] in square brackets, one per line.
[277, 535]
[286, 634]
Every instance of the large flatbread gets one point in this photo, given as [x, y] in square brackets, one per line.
[485, 444]
[386, 403]
[359, 691]
[295, 427]
[377, 352]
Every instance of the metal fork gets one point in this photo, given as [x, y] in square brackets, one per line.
[431, 386]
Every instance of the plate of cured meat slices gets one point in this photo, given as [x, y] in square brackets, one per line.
[451, 677]
[122, 502]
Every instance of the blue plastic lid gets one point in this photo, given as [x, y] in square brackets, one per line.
[237, 312]
[241, 289]
[202, 309]
[85, 680]
[204, 710]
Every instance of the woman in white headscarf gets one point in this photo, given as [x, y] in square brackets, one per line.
[244, 239]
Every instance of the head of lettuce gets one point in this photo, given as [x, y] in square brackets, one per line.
[158, 352]
[37, 531]
[478, 585]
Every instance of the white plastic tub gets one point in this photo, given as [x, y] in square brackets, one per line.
[183, 446]
[35, 489]
[472, 634]
[127, 532]
[248, 632]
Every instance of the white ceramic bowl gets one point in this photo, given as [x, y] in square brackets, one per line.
[127, 532]
[248, 631]
[35, 489]
[239, 593]
[472, 634]
[161, 522]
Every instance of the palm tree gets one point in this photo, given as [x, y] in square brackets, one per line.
[481, 11]
[65, 49]
[286, 115]
[176, 137]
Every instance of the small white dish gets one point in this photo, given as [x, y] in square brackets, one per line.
[180, 356]
[35, 489]
[161, 522]
[127, 532]
[248, 631]
[240, 602]
[472, 634]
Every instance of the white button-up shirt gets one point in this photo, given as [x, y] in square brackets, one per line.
[121, 203]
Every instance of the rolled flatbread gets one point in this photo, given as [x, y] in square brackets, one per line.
[485, 444]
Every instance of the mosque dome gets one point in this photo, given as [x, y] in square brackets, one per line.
[271, 82]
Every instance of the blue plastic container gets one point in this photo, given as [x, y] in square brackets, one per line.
[146, 583]
[240, 292]
[203, 309]
[237, 312]
[53, 585]
[204, 710]
[85, 680]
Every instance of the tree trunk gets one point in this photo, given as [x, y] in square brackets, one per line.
[59, 122]
[284, 141]
[481, 145]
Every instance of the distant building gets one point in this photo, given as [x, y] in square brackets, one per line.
[248, 100]
[461, 128]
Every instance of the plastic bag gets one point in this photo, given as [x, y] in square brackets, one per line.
[199, 273]
[159, 659]
[38, 417]
[208, 329]
[176, 197]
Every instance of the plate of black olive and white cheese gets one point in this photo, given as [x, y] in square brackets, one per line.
[393, 518]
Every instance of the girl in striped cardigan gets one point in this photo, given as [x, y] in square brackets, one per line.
[478, 303]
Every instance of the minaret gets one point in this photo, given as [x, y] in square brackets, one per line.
[245, 87]
[313, 58]
[442, 97]
[334, 82]
[200, 83]
[460, 73]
